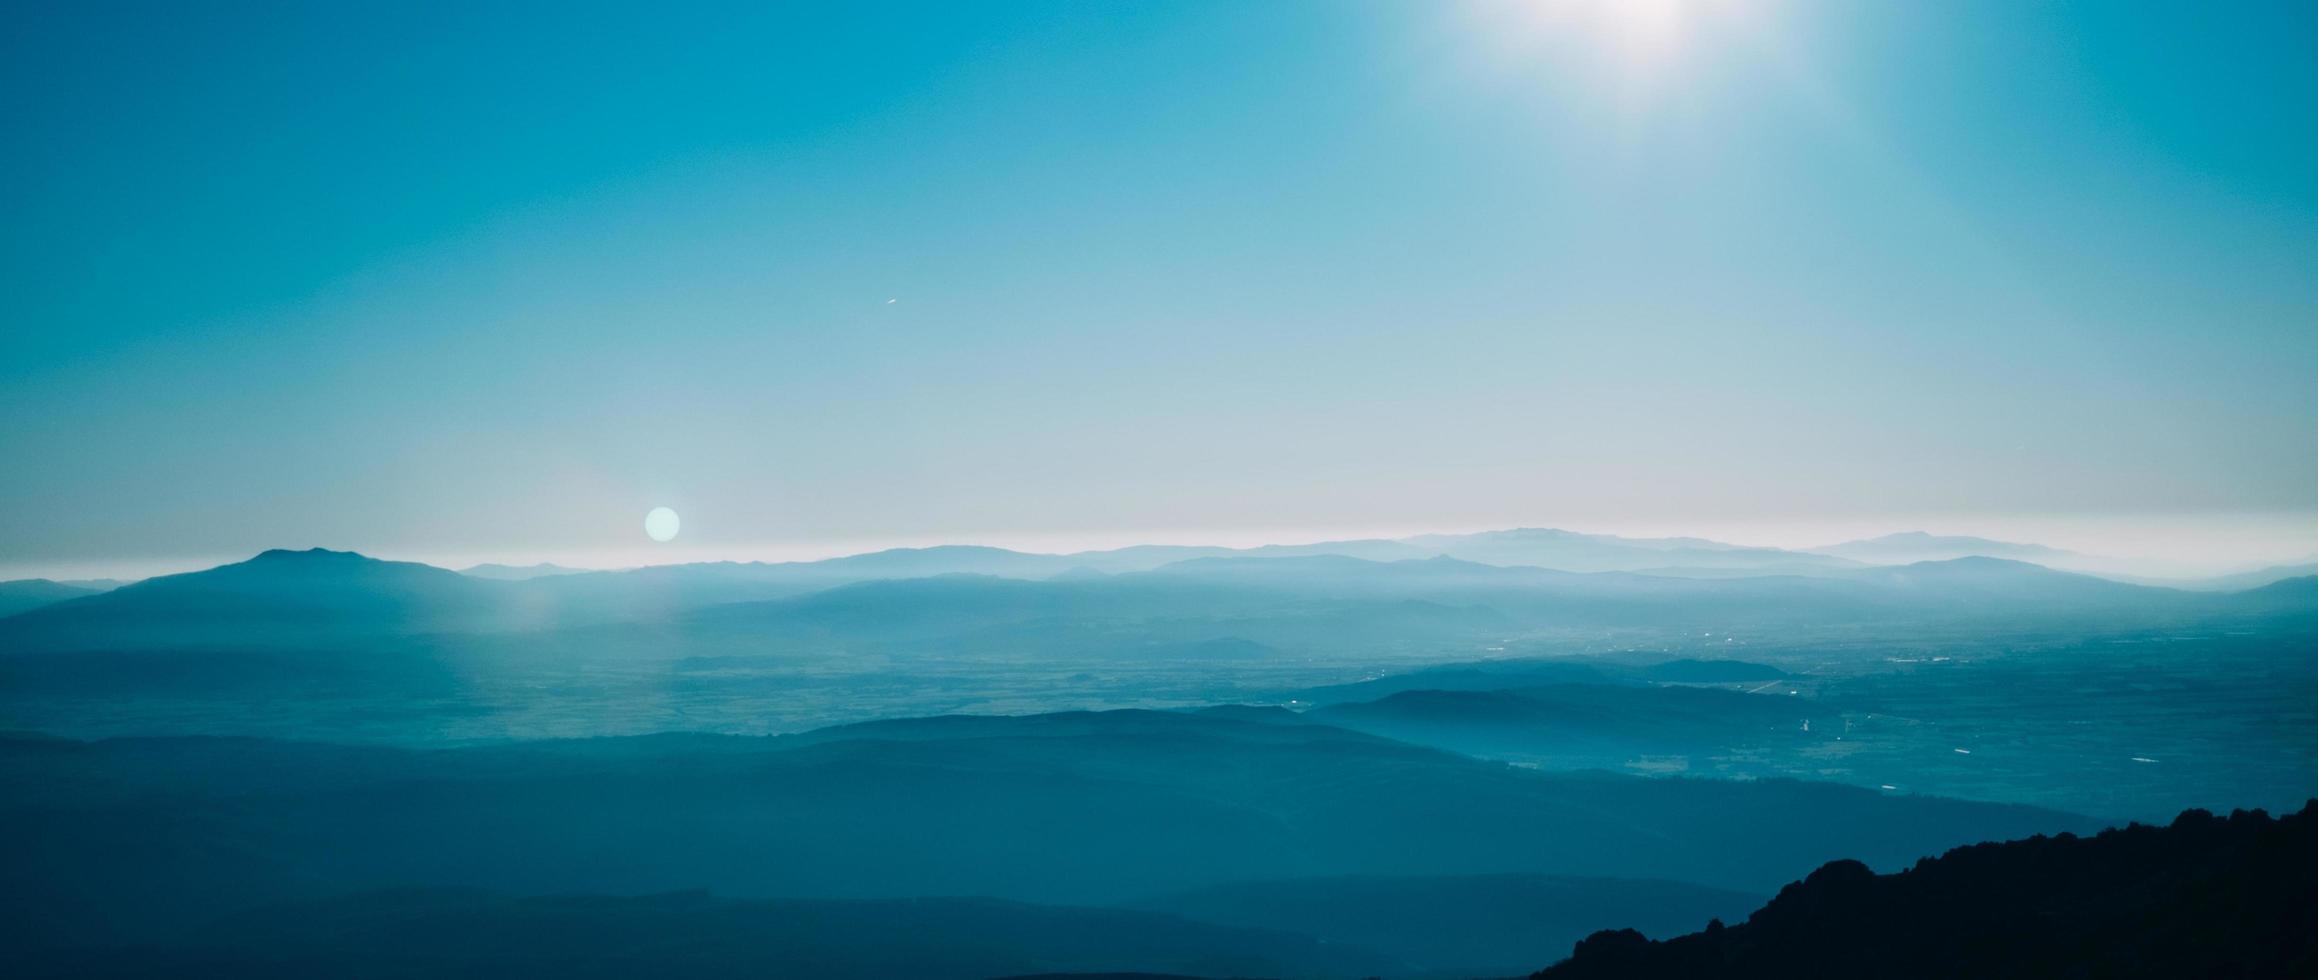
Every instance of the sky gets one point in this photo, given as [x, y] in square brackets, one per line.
[491, 281]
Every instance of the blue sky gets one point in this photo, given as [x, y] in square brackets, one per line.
[494, 280]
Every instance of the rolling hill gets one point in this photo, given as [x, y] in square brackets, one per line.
[518, 573]
[1910, 547]
[2207, 896]
[1575, 552]
[410, 933]
[22, 595]
[139, 837]
[274, 599]
[1316, 605]
[1578, 724]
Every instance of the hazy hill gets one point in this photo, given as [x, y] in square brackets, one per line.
[1576, 552]
[661, 592]
[467, 933]
[95, 584]
[948, 560]
[1825, 594]
[136, 837]
[32, 593]
[1340, 575]
[661, 589]
[1483, 675]
[1573, 723]
[665, 591]
[1147, 615]
[321, 596]
[1470, 925]
[518, 573]
[2208, 896]
[276, 598]
[2003, 578]
[1965, 588]
[1909, 547]
[1523, 672]
[956, 603]
[2254, 579]
[1538, 547]
[2285, 597]
[1318, 605]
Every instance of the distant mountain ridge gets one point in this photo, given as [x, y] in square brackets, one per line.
[321, 598]
[707, 582]
[518, 573]
[22, 595]
[279, 596]
[671, 586]
[2241, 581]
[1540, 548]
[1572, 551]
[1984, 577]
[1910, 547]
[659, 589]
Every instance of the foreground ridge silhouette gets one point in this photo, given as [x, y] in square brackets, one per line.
[2207, 896]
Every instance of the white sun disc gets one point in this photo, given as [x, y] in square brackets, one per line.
[661, 524]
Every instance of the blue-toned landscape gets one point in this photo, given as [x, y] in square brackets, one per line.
[1482, 489]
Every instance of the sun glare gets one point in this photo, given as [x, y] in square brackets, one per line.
[1633, 37]
[1644, 29]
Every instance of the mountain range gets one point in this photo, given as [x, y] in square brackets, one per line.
[659, 589]
[518, 573]
[1365, 809]
[318, 598]
[1909, 547]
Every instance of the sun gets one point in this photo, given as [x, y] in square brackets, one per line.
[1635, 37]
[1646, 30]
[661, 524]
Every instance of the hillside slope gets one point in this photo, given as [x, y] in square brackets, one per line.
[416, 933]
[1072, 808]
[2208, 896]
[276, 598]
[24, 595]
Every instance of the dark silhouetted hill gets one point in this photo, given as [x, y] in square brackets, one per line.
[2208, 896]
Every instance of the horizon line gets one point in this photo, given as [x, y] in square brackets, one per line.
[1053, 544]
